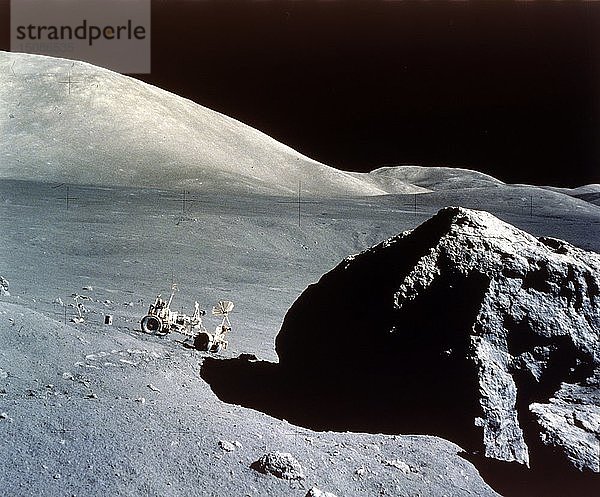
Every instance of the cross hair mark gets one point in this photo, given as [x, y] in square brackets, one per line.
[62, 429]
[67, 196]
[299, 201]
[69, 81]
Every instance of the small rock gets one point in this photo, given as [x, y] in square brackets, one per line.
[57, 476]
[279, 464]
[398, 464]
[3, 374]
[4, 287]
[141, 400]
[315, 492]
[3, 415]
[88, 288]
[247, 357]
[226, 446]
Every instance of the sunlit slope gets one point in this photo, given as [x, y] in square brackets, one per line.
[74, 122]
[431, 178]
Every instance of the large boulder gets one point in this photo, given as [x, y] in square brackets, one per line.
[466, 327]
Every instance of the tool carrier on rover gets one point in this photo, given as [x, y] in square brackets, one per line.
[162, 320]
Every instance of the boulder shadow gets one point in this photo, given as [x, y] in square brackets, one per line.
[366, 404]
[547, 477]
[392, 401]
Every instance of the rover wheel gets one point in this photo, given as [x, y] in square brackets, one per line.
[151, 324]
[203, 341]
[217, 347]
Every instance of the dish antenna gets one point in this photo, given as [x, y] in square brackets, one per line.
[223, 308]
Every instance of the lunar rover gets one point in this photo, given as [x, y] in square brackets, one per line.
[162, 320]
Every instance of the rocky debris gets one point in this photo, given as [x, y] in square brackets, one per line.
[574, 429]
[456, 327]
[315, 492]
[398, 464]
[226, 446]
[280, 464]
[4, 284]
[571, 421]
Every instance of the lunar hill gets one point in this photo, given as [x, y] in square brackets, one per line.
[70, 121]
[431, 178]
[589, 193]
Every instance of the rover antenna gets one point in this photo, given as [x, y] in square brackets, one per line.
[173, 290]
[223, 308]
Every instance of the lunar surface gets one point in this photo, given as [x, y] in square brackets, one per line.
[112, 190]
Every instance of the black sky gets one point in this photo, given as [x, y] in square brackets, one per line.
[511, 89]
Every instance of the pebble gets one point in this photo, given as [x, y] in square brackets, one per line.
[226, 446]
[315, 492]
